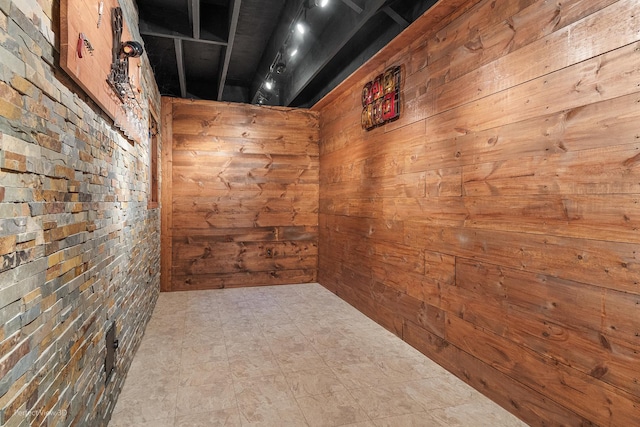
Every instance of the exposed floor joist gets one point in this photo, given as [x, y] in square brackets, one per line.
[180, 61]
[254, 38]
[353, 5]
[182, 37]
[233, 25]
[334, 38]
[395, 16]
[280, 34]
[194, 6]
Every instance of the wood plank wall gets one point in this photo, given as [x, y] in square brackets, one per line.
[496, 225]
[240, 195]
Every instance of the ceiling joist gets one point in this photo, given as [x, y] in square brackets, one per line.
[233, 25]
[180, 61]
[292, 9]
[334, 38]
[395, 16]
[182, 37]
[226, 49]
[194, 17]
[353, 5]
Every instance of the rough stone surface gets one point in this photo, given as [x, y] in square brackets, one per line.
[79, 248]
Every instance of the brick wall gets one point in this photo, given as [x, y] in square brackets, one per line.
[78, 247]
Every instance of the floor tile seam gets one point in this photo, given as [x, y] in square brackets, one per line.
[289, 374]
[208, 347]
[276, 400]
[234, 326]
[340, 380]
[184, 323]
[302, 331]
[228, 341]
[273, 352]
[175, 406]
[304, 416]
[197, 412]
[291, 394]
[175, 409]
[302, 370]
[358, 403]
[227, 381]
[240, 378]
[315, 394]
[437, 405]
[238, 327]
[184, 369]
[393, 382]
[424, 409]
[226, 353]
[270, 401]
[241, 338]
[252, 357]
[333, 394]
[306, 341]
[306, 352]
[279, 355]
[137, 352]
[278, 322]
[154, 418]
[137, 389]
[207, 318]
[332, 361]
[274, 338]
[431, 418]
[177, 321]
[286, 351]
[204, 328]
[255, 354]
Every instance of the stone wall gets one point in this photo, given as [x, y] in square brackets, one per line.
[79, 248]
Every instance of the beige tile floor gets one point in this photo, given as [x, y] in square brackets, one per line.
[293, 355]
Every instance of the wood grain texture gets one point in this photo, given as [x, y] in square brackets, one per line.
[244, 195]
[495, 225]
[166, 194]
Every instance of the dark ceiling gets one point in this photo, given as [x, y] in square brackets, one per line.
[225, 50]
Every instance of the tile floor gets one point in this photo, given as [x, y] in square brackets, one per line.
[294, 355]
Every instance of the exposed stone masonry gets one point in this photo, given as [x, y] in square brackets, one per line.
[79, 249]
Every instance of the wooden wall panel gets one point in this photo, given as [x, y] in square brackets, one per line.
[495, 225]
[166, 195]
[243, 201]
